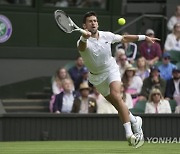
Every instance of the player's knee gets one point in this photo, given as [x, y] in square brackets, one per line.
[115, 95]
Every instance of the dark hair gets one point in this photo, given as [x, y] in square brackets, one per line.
[89, 14]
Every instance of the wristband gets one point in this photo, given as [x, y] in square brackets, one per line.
[83, 39]
[141, 37]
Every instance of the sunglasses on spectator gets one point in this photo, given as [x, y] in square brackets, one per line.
[166, 58]
[156, 94]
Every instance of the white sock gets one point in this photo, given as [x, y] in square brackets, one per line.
[132, 118]
[128, 130]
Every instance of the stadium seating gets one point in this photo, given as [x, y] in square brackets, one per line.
[31, 95]
[178, 64]
[139, 107]
[25, 105]
[2, 110]
[175, 56]
[173, 105]
[158, 63]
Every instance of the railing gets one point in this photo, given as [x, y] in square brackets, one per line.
[138, 19]
[47, 126]
[143, 17]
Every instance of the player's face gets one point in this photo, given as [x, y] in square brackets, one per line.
[91, 24]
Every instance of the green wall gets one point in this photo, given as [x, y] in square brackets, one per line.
[35, 30]
[34, 27]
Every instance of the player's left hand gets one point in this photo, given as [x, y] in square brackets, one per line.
[152, 39]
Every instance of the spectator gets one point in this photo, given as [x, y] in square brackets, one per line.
[60, 75]
[77, 70]
[142, 68]
[166, 67]
[174, 19]
[126, 97]
[156, 103]
[150, 51]
[130, 49]
[103, 106]
[132, 83]
[122, 64]
[173, 39]
[173, 86]
[84, 103]
[64, 101]
[118, 53]
[153, 81]
[83, 78]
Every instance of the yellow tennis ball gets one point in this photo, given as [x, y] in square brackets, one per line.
[121, 21]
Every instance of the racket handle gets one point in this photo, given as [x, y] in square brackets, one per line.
[83, 31]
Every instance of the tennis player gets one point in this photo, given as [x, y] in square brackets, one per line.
[95, 49]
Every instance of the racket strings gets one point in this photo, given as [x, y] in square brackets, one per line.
[64, 22]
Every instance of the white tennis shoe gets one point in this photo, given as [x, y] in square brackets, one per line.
[138, 132]
[136, 140]
[131, 140]
[139, 140]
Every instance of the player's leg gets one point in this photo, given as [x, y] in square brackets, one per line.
[126, 117]
[116, 100]
[104, 89]
[110, 89]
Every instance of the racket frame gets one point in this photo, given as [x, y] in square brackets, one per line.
[76, 28]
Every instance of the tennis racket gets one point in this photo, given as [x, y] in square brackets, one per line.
[65, 23]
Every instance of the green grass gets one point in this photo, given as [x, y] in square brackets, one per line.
[85, 147]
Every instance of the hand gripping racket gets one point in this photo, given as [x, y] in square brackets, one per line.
[65, 22]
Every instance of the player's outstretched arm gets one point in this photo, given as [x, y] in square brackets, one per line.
[133, 38]
[152, 40]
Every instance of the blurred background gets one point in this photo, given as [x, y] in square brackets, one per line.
[37, 40]
[37, 48]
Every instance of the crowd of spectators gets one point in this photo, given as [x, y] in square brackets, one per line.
[100, 4]
[147, 71]
[155, 84]
[76, 3]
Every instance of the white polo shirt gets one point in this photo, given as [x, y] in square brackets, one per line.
[98, 56]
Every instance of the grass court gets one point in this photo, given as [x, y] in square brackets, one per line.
[85, 147]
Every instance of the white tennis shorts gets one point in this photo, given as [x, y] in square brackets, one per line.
[112, 75]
